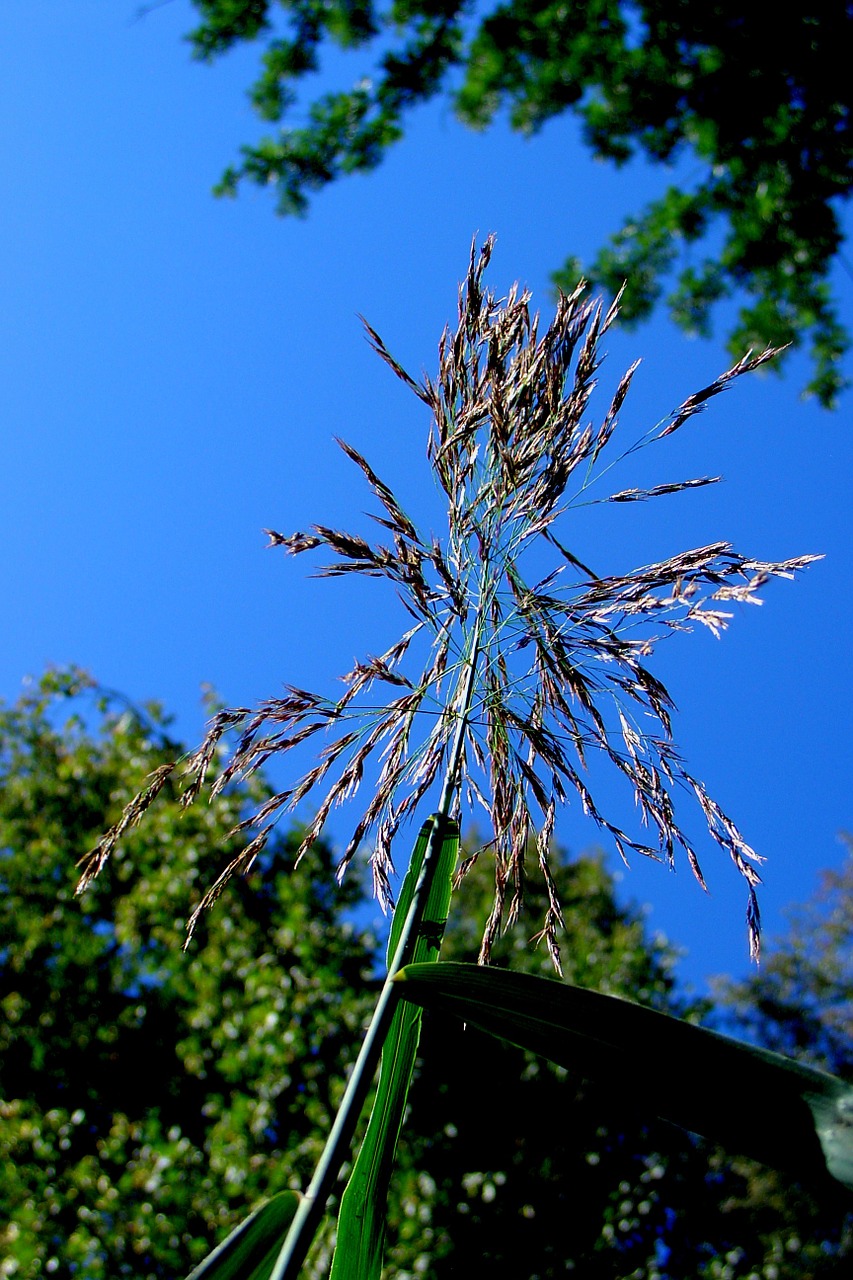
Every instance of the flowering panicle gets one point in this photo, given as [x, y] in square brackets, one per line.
[555, 665]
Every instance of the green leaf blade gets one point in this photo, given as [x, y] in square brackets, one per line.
[747, 1099]
[250, 1251]
[361, 1222]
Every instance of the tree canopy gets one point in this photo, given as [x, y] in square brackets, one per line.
[147, 1096]
[801, 1000]
[111, 1171]
[756, 97]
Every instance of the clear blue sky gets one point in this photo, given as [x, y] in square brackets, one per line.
[173, 369]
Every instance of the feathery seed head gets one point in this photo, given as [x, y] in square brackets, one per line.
[522, 679]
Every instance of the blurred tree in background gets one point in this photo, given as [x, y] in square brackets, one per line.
[801, 1000]
[148, 1097]
[755, 98]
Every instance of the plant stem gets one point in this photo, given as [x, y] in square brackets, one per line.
[313, 1204]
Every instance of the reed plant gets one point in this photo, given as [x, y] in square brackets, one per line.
[519, 663]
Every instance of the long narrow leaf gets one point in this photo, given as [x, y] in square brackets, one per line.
[747, 1099]
[361, 1223]
[252, 1248]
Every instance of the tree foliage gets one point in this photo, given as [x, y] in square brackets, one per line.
[755, 98]
[801, 1001]
[149, 1097]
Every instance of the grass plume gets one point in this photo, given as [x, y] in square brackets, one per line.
[559, 661]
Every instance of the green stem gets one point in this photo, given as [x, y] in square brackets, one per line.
[313, 1204]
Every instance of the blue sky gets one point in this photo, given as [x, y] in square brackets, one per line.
[174, 367]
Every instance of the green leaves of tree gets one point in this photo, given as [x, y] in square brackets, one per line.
[244, 1040]
[800, 1002]
[762, 108]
